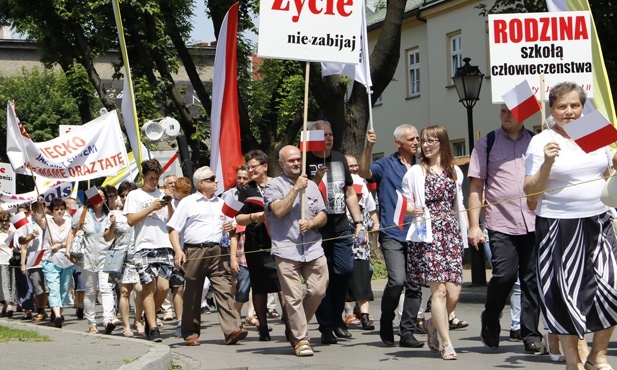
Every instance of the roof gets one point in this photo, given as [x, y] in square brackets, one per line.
[374, 20]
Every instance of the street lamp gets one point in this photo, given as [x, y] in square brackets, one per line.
[468, 82]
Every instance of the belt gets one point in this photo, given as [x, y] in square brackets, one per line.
[201, 245]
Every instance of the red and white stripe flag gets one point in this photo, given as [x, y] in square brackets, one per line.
[255, 200]
[34, 259]
[19, 220]
[371, 185]
[323, 188]
[9, 241]
[592, 131]
[521, 101]
[93, 195]
[226, 149]
[74, 208]
[231, 205]
[401, 210]
[315, 141]
[358, 183]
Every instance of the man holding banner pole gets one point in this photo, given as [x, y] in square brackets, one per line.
[330, 167]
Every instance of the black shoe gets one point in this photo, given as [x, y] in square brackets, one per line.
[264, 335]
[515, 336]
[80, 313]
[155, 335]
[109, 327]
[367, 323]
[328, 338]
[342, 333]
[535, 348]
[490, 334]
[386, 332]
[58, 322]
[409, 341]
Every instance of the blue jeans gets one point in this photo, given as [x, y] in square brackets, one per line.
[243, 286]
[339, 255]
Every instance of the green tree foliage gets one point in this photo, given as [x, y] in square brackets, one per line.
[603, 12]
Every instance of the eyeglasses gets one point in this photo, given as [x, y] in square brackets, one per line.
[429, 141]
[250, 168]
[209, 179]
[7, 220]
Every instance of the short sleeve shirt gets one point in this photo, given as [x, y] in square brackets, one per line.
[151, 232]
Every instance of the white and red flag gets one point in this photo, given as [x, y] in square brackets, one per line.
[255, 200]
[315, 141]
[226, 149]
[521, 101]
[19, 220]
[9, 242]
[93, 195]
[592, 131]
[358, 184]
[371, 185]
[231, 205]
[401, 210]
[34, 258]
[323, 188]
[74, 208]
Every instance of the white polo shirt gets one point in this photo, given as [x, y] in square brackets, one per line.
[198, 219]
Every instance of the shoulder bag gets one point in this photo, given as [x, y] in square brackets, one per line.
[79, 242]
[114, 260]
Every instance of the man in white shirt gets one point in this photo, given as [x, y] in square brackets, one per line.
[148, 211]
[199, 217]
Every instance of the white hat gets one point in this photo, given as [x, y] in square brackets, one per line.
[609, 192]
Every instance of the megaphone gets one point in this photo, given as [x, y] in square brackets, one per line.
[161, 129]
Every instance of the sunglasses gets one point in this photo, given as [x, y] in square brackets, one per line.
[209, 179]
[5, 220]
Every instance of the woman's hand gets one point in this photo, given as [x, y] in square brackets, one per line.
[551, 152]
[417, 211]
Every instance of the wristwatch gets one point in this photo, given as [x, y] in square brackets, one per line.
[357, 222]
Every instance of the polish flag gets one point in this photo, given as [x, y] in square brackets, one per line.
[315, 142]
[521, 101]
[34, 259]
[226, 149]
[592, 131]
[74, 208]
[401, 210]
[231, 205]
[19, 220]
[9, 241]
[371, 185]
[255, 200]
[323, 188]
[358, 184]
[240, 229]
[93, 195]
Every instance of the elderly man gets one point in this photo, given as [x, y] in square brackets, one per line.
[330, 167]
[497, 172]
[388, 173]
[296, 244]
[200, 219]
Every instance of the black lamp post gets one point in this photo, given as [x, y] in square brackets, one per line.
[468, 82]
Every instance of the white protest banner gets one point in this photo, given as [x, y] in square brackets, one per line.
[525, 45]
[95, 149]
[315, 30]
[56, 189]
[7, 178]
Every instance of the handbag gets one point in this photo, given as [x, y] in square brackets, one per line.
[79, 241]
[114, 261]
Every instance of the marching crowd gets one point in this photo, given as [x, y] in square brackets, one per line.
[557, 246]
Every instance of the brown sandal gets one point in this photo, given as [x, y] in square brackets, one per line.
[251, 321]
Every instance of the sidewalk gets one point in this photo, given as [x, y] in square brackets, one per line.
[72, 348]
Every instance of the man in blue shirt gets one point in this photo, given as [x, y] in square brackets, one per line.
[388, 173]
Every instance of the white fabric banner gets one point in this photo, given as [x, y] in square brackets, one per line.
[310, 30]
[95, 149]
[55, 189]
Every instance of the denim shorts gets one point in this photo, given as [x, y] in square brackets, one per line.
[244, 285]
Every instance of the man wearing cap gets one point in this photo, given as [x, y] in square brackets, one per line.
[199, 217]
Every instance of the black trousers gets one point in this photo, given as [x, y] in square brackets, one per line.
[514, 255]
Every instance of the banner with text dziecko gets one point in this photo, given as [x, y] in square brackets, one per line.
[523, 46]
[95, 149]
[311, 30]
[55, 189]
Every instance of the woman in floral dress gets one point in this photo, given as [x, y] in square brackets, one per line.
[437, 237]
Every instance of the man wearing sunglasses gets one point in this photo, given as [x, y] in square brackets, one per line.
[200, 219]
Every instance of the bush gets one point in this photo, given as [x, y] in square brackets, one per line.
[379, 270]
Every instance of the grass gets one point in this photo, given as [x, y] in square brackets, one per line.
[379, 270]
[9, 334]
